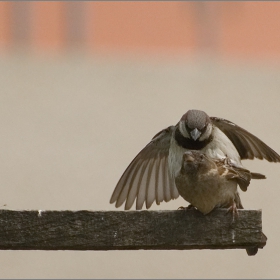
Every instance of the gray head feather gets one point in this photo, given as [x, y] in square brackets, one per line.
[196, 119]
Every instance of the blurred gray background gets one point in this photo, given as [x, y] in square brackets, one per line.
[72, 119]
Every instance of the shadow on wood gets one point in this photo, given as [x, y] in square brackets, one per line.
[130, 230]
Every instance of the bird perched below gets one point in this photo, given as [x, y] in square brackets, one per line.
[212, 183]
[151, 174]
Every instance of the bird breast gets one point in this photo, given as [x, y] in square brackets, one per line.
[221, 147]
[207, 191]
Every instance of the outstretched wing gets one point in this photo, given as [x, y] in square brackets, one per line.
[247, 145]
[147, 177]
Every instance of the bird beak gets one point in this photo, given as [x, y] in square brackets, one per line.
[195, 134]
[188, 157]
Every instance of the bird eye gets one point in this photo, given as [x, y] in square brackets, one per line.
[201, 156]
[204, 128]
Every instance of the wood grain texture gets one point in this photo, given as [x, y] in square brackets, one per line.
[129, 230]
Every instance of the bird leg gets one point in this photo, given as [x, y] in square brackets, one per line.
[190, 206]
[233, 210]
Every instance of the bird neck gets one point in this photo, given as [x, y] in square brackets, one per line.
[189, 143]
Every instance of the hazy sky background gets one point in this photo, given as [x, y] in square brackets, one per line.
[75, 108]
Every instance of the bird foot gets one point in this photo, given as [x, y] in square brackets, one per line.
[186, 208]
[233, 210]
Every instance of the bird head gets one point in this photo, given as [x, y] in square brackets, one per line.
[195, 161]
[195, 125]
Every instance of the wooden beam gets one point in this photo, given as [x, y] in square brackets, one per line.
[129, 230]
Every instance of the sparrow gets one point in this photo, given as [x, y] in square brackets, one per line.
[151, 174]
[212, 183]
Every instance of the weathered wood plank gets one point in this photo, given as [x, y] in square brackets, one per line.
[129, 230]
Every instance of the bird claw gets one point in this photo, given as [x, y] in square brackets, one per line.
[190, 206]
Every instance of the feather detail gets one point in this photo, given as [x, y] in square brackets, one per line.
[247, 145]
[147, 177]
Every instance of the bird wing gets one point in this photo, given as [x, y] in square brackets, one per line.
[147, 177]
[232, 171]
[247, 145]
